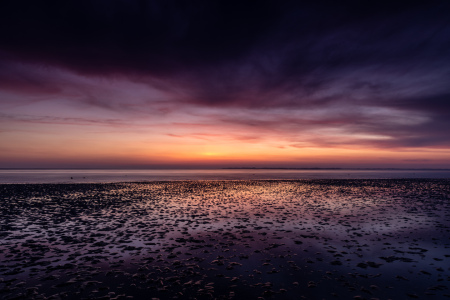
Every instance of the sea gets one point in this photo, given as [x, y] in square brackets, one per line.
[29, 176]
[280, 234]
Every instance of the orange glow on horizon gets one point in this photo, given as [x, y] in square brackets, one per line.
[69, 145]
[58, 131]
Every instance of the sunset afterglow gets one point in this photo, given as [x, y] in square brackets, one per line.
[250, 89]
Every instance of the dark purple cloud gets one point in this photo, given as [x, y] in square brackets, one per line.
[158, 37]
[345, 57]
[168, 37]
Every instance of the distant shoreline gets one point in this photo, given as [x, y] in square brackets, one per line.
[237, 168]
[352, 169]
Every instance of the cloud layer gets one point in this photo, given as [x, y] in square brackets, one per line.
[348, 74]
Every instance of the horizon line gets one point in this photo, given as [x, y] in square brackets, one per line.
[239, 168]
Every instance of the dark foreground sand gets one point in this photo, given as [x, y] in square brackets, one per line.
[322, 239]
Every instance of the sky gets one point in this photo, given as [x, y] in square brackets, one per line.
[212, 84]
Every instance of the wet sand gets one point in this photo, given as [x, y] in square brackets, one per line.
[291, 239]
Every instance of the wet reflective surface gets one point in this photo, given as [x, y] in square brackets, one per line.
[110, 176]
[274, 239]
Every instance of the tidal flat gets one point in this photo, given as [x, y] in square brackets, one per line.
[243, 239]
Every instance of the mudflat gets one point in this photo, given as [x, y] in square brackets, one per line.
[244, 239]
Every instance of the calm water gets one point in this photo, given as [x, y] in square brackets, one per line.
[104, 176]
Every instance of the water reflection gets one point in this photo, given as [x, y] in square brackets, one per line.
[109, 176]
[227, 239]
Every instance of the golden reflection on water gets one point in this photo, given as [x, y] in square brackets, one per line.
[237, 235]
